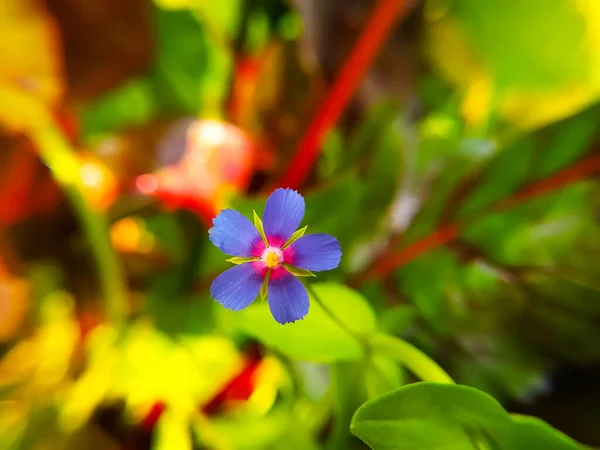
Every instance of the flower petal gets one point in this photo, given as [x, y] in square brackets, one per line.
[234, 234]
[237, 287]
[283, 213]
[315, 252]
[288, 299]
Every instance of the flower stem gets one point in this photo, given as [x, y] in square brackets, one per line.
[60, 158]
[414, 359]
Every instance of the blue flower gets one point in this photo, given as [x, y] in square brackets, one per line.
[269, 256]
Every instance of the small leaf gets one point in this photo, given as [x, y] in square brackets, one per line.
[297, 235]
[242, 259]
[259, 226]
[265, 286]
[298, 272]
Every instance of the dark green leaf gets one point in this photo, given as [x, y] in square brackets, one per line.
[445, 416]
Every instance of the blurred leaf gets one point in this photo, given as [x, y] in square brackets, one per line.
[180, 63]
[520, 46]
[397, 319]
[381, 178]
[424, 281]
[318, 337]
[445, 416]
[129, 105]
[345, 193]
[512, 58]
[377, 121]
[382, 375]
[501, 177]
[221, 18]
[249, 433]
[333, 154]
[30, 66]
[444, 169]
[567, 142]
[348, 393]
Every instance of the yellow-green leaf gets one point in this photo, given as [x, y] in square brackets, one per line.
[265, 286]
[259, 226]
[242, 259]
[294, 237]
[298, 272]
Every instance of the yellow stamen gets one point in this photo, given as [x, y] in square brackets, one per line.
[272, 260]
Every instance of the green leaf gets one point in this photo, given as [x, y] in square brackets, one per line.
[181, 62]
[397, 319]
[264, 289]
[298, 272]
[382, 375]
[341, 222]
[318, 337]
[566, 142]
[294, 237]
[533, 433]
[242, 259]
[501, 177]
[129, 105]
[348, 393]
[375, 149]
[432, 416]
[259, 226]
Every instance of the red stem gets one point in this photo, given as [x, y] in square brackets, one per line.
[371, 39]
[389, 263]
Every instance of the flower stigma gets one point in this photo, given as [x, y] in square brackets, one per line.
[272, 257]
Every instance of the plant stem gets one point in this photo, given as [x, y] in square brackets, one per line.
[371, 39]
[60, 158]
[414, 359]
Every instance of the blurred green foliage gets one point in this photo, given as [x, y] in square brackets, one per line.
[463, 202]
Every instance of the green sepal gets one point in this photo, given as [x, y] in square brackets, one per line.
[298, 272]
[259, 226]
[294, 237]
[242, 259]
[265, 286]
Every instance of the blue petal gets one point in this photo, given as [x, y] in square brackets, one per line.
[283, 213]
[234, 234]
[288, 299]
[237, 287]
[316, 252]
